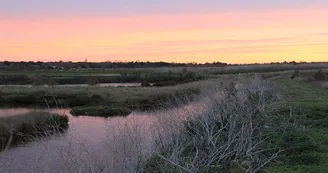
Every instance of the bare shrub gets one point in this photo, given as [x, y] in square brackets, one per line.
[319, 76]
[295, 74]
[229, 134]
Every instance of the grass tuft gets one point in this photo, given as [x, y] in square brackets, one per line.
[17, 129]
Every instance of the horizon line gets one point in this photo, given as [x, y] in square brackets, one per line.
[195, 63]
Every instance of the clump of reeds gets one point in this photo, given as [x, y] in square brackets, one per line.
[101, 111]
[17, 129]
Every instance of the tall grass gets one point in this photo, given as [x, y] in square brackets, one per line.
[17, 129]
[138, 98]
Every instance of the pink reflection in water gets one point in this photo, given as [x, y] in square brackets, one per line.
[111, 142]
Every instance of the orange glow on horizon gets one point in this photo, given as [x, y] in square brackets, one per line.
[234, 37]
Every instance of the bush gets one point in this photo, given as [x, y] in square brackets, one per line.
[92, 81]
[319, 76]
[295, 74]
[145, 84]
[101, 111]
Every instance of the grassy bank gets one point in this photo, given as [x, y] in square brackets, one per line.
[93, 77]
[18, 129]
[139, 98]
[100, 111]
[309, 103]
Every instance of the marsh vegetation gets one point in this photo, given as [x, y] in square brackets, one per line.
[103, 111]
[22, 128]
[271, 121]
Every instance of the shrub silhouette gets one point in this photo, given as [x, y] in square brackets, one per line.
[92, 81]
[319, 76]
[295, 74]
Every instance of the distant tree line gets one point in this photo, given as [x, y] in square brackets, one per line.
[101, 65]
[105, 65]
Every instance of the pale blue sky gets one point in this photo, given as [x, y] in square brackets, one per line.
[140, 7]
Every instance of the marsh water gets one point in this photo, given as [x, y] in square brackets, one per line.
[90, 143]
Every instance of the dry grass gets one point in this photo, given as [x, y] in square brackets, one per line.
[93, 95]
[247, 68]
[17, 129]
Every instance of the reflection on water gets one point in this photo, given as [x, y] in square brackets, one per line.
[113, 144]
[86, 128]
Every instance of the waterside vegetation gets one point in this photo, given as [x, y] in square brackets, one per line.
[22, 128]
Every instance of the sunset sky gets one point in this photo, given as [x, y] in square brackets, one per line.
[234, 31]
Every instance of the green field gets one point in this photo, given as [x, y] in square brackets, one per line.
[309, 105]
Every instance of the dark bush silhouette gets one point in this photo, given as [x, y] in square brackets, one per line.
[319, 76]
[92, 81]
[295, 74]
[101, 111]
[145, 84]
